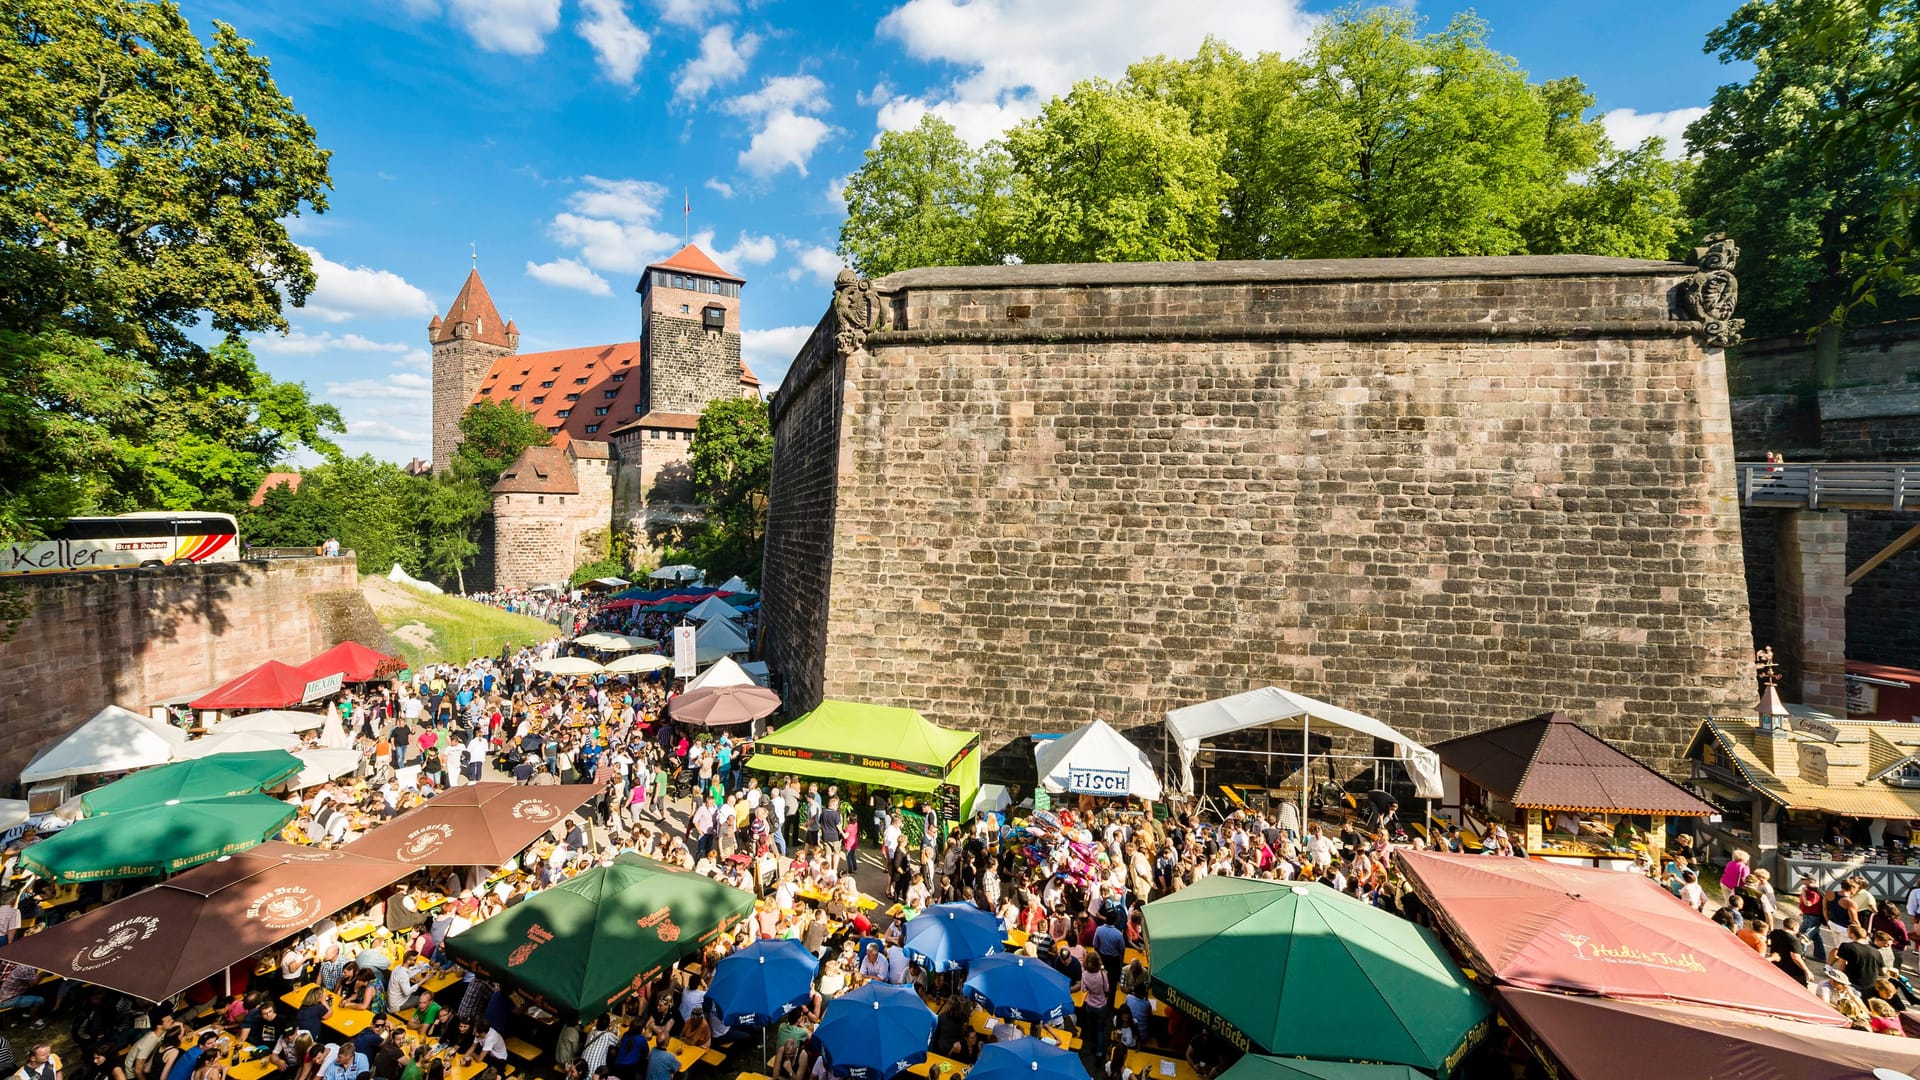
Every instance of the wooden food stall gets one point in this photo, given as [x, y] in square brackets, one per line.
[1570, 795]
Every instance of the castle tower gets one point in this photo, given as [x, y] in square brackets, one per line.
[690, 322]
[465, 346]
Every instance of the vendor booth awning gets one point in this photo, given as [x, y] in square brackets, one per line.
[581, 947]
[1549, 762]
[473, 825]
[281, 721]
[1848, 783]
[1546, 926]
[874, 744]
[1096, 760]
[114, 740]
[713, 608]
[155, 840]
[162, 940]
[216, 777]
[1591, 1038]
[272, 685]
[725, 672]
[354, 663]
[717, 638]
[1192, 725]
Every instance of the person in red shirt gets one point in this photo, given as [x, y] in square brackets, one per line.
[1813, 916]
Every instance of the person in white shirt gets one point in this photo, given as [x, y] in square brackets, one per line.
[897, 965]
[402, 986]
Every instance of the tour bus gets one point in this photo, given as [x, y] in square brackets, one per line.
[149, 538]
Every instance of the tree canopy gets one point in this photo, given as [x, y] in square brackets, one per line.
[731, 462]
[1381, 139]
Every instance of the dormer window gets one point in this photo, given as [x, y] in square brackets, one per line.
[479, 326]
[539, 399]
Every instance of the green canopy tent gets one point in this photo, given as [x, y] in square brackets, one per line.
[155, 840]
[1341, 980]
[1261, 1067]
[214, 777]
[880, 746]
[582, 946]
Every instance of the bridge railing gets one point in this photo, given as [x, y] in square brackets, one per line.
[1830, 486]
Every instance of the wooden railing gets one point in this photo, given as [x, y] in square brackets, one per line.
[1841, 486]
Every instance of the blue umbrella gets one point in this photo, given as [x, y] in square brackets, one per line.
[1019, 988]
[945, 937]
[1027, 1059]
[875, 1031]
[762, 982]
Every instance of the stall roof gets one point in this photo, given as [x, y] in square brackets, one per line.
[113, 740]
[272, 685]
[839, 738]
[1548, 762]
[1081, 759]
[1271, 704]
[1852, 786]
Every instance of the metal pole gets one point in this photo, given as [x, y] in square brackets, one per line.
[1306, 765]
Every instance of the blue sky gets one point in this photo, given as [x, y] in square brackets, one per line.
[559, 138]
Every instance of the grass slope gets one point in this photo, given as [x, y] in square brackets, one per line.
[433, 629]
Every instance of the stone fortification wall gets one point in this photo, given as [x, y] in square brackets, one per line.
[1449, 493]
[136, 637]
[689, 365]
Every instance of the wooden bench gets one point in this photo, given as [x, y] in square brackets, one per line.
[522, 1049]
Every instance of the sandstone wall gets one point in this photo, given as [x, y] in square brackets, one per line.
[688, 365]
[133, 638]
[1449, 493]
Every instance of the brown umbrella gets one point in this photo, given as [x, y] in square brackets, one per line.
[1590, 1038]
[160, 941]
[474, 825]
[717, 706]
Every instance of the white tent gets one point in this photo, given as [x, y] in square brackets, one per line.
[638, 664]
[320, 766]
[238, 742]
[404, 578]
[734, 584]
[285, 721]
[713, 608]
[114, 740]
[678, 573]
[724, 673]
[1194, 723]
[720, 637]
[333, 736]
[1095, 760]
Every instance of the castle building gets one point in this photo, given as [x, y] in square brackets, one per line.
[622, 417]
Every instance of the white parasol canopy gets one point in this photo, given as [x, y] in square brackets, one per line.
[726, 672]
[713, 608]
[114, 740]
[320, 766]
[1255, 708]
[603, 641]
[333, 734]
[284, 721]
[1096, 760]
[237, 742]
[639, 664]
[734, 584]
[569, 665]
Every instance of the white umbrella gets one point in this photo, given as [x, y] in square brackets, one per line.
[569, 665]
[726, 672]
[734, 584]
[681, 572]
[333, 736]
[238, 742]
[284, 721]
[639, 664]
[605, 642]
[320, 766]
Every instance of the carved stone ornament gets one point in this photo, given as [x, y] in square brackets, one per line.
[1709, 295]
[855, 307]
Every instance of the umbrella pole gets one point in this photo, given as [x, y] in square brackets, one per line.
[1306, 765]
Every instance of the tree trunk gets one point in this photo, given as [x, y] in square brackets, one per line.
[460, 578]
[1826, 355]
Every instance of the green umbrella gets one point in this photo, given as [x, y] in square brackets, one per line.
[214, 777]
[1260, 1067]
[156, 840]
[583, 945]
[1339, 980]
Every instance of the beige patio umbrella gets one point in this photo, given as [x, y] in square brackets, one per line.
[569, 665]
[639, 664]
[602, 641]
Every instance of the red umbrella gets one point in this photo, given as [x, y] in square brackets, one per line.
[354, 662]
[474, 825]
[1589, 1038]
[272, 685]
[1545, 926]
[162, 940]
[717, 706]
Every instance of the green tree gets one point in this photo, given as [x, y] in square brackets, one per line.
[291, 516]
[143, 188]
[1805, 207]
[925, 198]
[731, 465]
[372, 507]
[1108, 174]
[492, 435]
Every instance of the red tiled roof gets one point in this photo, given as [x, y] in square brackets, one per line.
[747, 377]
[597, 364]
[673, 421]
[691, 260]
[273, 480]
[539, 470]
[1550, 762]
[473, 305]
[591, 450]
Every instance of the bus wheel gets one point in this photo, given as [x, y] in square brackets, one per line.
[151, 562]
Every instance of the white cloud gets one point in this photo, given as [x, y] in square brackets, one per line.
[823, 264]
[837, 192]
[722, 59]
[416, 360]
[746, 251]
[1016, 54]
[719, 187]
[348, 292]
[786, 135]
[610, 225]
[569, 274]
[519, 27]
[1628, 128]
[694, 14]
[301, 343]
[769, 353]
[400, 385]
[617, 43]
